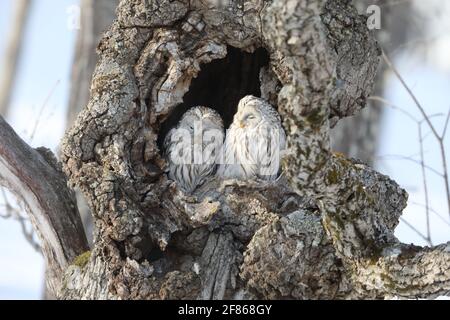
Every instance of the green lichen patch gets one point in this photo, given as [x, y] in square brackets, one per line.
[82, 260]
[316, 118]
[333, 177]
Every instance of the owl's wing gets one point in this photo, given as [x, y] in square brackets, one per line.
[239, 154]
[212, 144]
[271, 144]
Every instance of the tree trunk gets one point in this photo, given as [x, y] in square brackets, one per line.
[12, 53]
[324, 230]
[96, 16]
[358, 136]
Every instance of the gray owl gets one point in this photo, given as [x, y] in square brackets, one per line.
[254, 142]
[193, 147]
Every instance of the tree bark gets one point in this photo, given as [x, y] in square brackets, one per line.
[358, 136]
[36, 178]
[12, 53]
[96, 16]
[324, 230]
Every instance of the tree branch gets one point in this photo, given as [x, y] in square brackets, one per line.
[34, 176]
[361, 226]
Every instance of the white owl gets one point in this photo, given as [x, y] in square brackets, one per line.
[254, 142]
[193, 147]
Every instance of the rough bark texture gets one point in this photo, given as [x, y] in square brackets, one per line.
[36, 178]
[310, 236]
[358, 136]
[96, 17]
[325, 230]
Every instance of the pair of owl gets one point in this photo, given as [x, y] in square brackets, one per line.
[195, 148]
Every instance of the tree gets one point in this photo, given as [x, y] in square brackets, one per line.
[13, 52]
[96, 16]
[358, 136]
[325, 230]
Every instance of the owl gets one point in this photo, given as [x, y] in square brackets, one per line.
[193, 147]
[254, 142]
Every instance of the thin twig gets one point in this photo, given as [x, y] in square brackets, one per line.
[14, 213]
[399, 157]
[393, 106]
[426, 118]
[437, 214]
[416, 231]
[41, 110]
[424, 180]
[446, 124]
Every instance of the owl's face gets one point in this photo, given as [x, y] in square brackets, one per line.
[252, 112]
[200, 116]
[248, 116]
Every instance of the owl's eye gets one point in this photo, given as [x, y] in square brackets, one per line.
[249, 117]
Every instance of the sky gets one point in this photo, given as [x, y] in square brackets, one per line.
[44, 74]
[400, 137]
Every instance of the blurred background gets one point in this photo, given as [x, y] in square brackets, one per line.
[47, 56]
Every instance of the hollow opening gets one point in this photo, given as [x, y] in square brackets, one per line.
[155, 254]
[221, 84]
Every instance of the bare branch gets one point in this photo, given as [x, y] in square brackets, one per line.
[34, 178]
[41, 110]
[393, 106]
[411, 94]
[400, 157]
[16, 214]
[366, 244]
[437, 214]
[446, 124]
[420, 234]
[425, 185]
[426, 118]
[426, 274]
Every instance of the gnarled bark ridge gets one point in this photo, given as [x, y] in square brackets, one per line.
[325, 230]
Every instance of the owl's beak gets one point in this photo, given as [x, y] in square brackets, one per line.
[241, 124]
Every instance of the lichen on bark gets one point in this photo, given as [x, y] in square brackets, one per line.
[325, 230]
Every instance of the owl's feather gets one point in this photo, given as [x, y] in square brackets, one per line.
[192, 148]
[254, 142]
